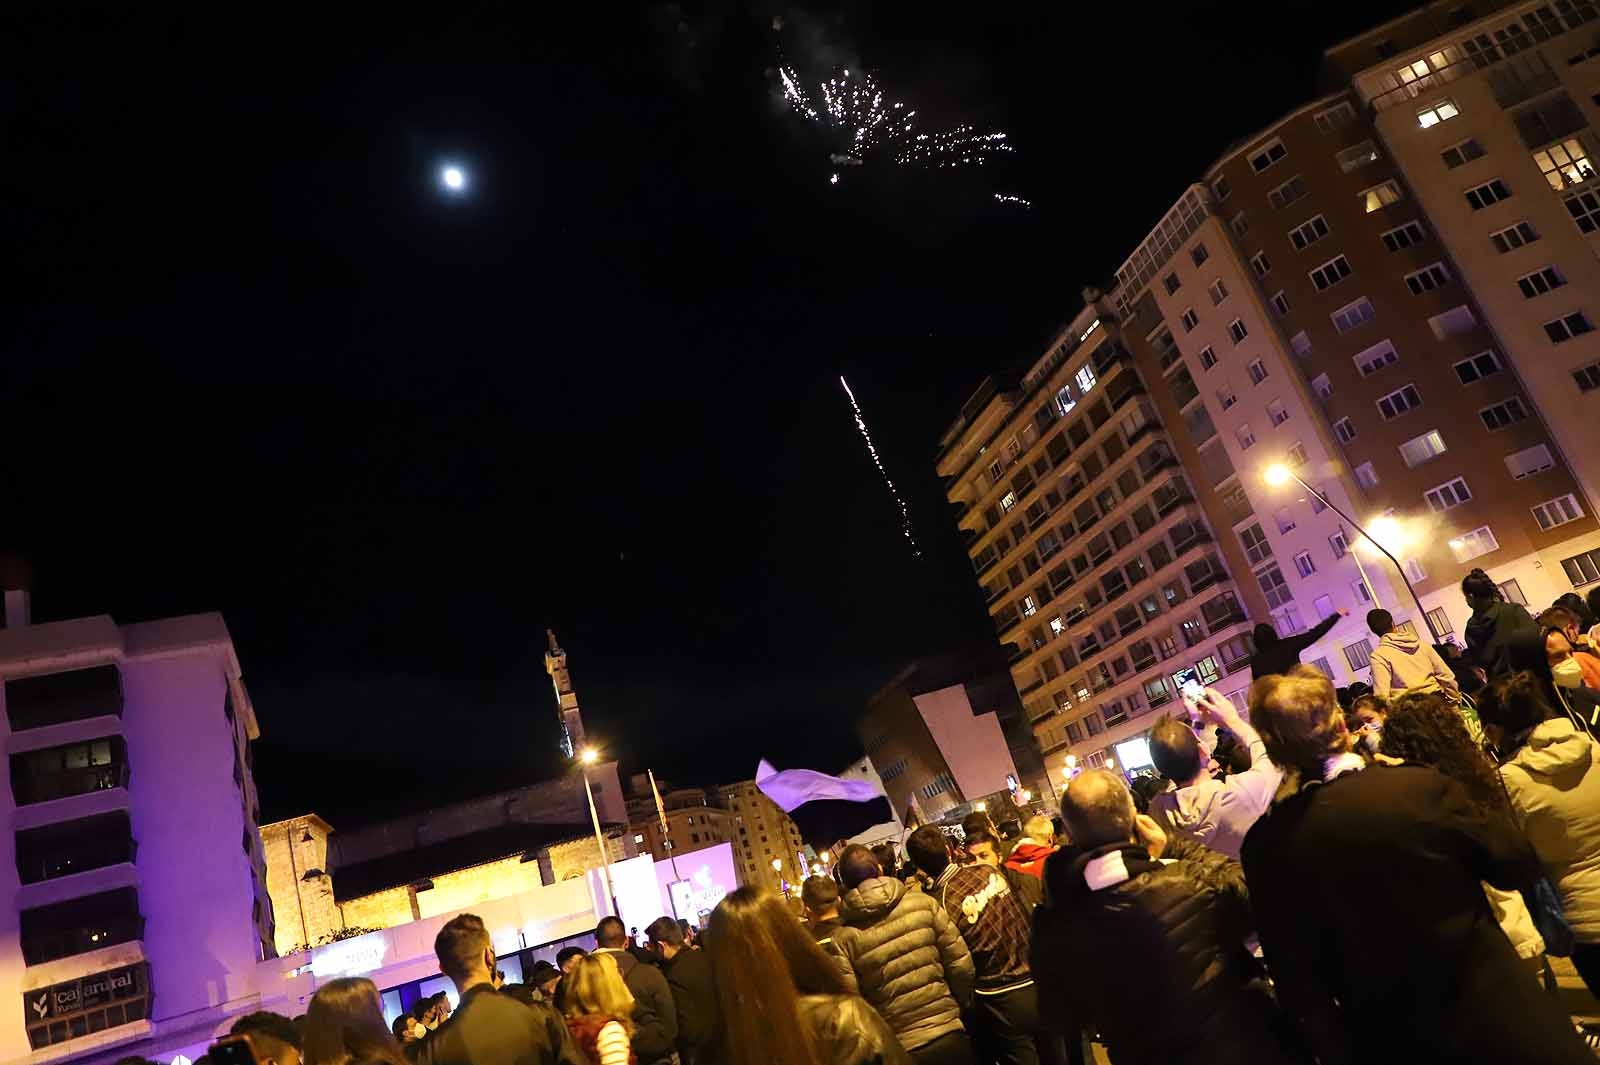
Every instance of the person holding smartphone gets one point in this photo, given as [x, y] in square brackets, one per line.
[1215, 813]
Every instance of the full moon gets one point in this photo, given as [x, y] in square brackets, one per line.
[454, 178]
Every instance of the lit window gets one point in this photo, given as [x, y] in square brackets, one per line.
[1513, 237]
[1461, 154]
[1447, 495]
[1481, 365]
[1322, 386]
[1434, 114]
[1085, 379]
[1399, 401]
[1564, 164]
[1530, 461]
[1304, 565]
[1258, 371]
[1558, 511]
[1030, 606]
[1414, 571]
[1473, 544]
[1380, 196]
[1420, 449]
[1308, 233]
[1330, 273]
[1008, 501]
[1277, 412]
[1352, 315]
[1403, 236]
[1540, 281]
[1064, 400]
[1345, 430]
[1490, 192]
[1057, 626]
[1237, 331]
[1366, 476]
[1506, 412]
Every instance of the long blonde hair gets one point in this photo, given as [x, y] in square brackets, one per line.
[595, 986]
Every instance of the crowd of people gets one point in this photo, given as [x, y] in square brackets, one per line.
[1372, 874]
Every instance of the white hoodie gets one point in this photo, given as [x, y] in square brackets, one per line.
[1219, 814]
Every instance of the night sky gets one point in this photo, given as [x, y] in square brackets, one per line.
[254, 361]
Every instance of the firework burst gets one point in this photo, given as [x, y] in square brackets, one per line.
[869, 124]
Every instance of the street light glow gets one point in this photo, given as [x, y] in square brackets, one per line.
[589, 756]
[982, 806]
[1277, 474]
[454, 178]
[1111, 763]
[777, 865]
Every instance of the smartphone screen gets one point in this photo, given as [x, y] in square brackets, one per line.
[234, 1050]
[1188, 681]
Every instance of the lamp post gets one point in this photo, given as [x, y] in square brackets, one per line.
[587, 758]
[777, 871]
[1278, 474]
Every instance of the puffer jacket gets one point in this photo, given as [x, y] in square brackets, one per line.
[850, 1032]
[1172, 981]
[1402, 661]
[1489, 632]
[903, 954]
[1554, 783]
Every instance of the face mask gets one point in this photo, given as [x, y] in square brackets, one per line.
[1567, 674]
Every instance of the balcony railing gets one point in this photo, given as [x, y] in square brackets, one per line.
[43, 787]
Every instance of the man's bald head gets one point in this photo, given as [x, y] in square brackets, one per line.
[1098, 809]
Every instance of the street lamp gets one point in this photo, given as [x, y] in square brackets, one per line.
[588, 757]
[777, 871]
[981, 806]
[1278, 474]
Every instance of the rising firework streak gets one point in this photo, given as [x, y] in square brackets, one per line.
[905, 512]
[1005, 197]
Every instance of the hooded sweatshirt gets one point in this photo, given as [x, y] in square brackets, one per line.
[1403, 661]
[1219, 813]
[1028, 857]
[1554, 783]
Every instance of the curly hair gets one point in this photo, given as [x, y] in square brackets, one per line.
[1425, 729]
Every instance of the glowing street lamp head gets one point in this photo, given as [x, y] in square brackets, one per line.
[777, 865]
[453, 178]
[1387, 531]
[1111, 763]
[589, 756]
[981, 806]
[1277, 474]
[1072, 760]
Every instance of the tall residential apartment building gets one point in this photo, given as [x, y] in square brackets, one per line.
[1489, 110]
[762, 834]
[693, 823]
[134, 907]
[1348, 295]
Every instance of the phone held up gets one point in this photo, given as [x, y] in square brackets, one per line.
[234, 1050]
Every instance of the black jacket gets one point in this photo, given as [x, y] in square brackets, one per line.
[655, 1016]
[1369, 900]
[489, 1028]
[694, 995]
[1490, 632]
[1279, 654]
[1152, 955]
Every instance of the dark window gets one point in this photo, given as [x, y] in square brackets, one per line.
[56, 697]
[80, 925]
[73, 769]
[74, 846]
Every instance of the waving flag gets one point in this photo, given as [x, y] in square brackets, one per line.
[793, 788]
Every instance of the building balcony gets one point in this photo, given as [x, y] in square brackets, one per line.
[72, 695]
[75, 769]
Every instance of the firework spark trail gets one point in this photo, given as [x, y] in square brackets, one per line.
[1006, 197]
[877, 460]
[856, 107]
